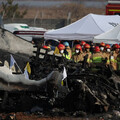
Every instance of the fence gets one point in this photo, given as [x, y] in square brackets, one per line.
[45, 23]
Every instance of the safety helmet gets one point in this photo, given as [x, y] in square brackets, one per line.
[45, 47]
[116, 46]
[86, 46]
[102, 44]
[78, 47]
[82, 43]
[97, 49]
[61, 47]
[107, 46]
[66, 44]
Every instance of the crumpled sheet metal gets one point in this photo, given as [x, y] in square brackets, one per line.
[9, 81]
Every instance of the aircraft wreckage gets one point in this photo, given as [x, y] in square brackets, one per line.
[12, 82]
[83, 90]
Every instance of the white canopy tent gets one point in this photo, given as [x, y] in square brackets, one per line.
[85, 28]
[111, 37]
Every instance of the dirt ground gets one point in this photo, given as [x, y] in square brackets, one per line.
[25, 116]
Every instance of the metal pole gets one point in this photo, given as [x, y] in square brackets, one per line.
[36, 18]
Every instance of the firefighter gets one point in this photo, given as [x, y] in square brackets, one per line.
[107, 53]
[102, 47]
[74, 43]
[46, 47]
[56, 51]
[97, 57]
[92, 46]
[78, 56]
[118, 62]
[61, 48]
[87, 52]
[82, 43]
[114, 56]
[67, 52]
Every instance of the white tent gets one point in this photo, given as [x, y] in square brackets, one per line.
[111, 37]
[85, 28]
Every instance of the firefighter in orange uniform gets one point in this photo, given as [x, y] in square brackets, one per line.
[113, 57]
[78, 56]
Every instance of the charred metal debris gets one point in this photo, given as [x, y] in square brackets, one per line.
[83, 90]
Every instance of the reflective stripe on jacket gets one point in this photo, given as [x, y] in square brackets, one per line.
[113, 60]
[97, 59]
[118, 62]
[67, 56]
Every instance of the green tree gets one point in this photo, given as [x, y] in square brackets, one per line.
[10, 10]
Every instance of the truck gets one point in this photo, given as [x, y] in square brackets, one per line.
[113, 7]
